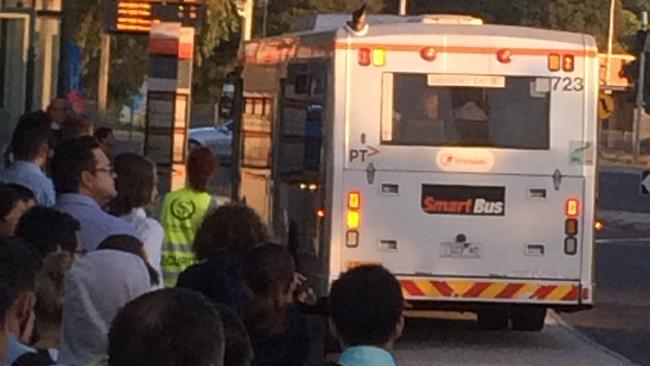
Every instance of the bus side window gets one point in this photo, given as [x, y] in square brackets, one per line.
[313, 137]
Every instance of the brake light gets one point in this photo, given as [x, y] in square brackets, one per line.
[354, 200]
[568, 63]
[504, 56]
[364, 57]
[354, 219]
[320, 213]
[428, 53]
[572, 207]
[571, 227]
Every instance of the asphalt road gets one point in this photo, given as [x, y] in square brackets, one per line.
[457, 341]
[620, 319]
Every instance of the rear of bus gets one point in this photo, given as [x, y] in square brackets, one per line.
[464, 162]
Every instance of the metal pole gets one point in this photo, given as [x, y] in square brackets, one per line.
[265, 18]
[402, 7]
[248, 20]
[639, 93]
[610, 40]
[104, 68]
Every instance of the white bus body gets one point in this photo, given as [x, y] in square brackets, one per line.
[459, 156]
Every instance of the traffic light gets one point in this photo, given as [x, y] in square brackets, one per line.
[642, 43]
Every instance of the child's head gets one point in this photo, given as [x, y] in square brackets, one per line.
[366, 305]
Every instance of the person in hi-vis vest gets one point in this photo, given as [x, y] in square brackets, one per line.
[183, 211]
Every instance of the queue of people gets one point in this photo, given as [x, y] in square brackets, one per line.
[89, 277]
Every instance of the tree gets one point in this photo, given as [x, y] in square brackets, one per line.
[282, 12]
[83, 22]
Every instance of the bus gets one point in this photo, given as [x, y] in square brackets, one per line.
[459, 155]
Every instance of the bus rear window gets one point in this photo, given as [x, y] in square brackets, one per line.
[466, 111]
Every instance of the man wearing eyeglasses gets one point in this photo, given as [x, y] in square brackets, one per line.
[84, 180]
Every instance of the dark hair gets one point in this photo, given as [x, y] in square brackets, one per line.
[102, 132]
[68, 106]
[48, 230]
[231, 227]
[8, 199]
[202, 165]
[71, 158]
[6, 299]
[134, 183]
[31, 133]
[268, 272]
[171, 327]
[19, 263]
[239, 350]
[25, 193]
[366, 306]
[130, 244]
[76, 127]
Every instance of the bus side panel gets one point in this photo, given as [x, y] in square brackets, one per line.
[592, 68]
[336, 161]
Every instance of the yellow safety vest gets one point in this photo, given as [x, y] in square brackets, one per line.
[182, 214]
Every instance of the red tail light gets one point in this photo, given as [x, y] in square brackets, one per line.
[568, 63]
[365, 58]
[428, 53]
[572, 208]
[504, 56]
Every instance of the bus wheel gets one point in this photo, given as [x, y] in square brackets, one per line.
[492, 320]
[528, 319]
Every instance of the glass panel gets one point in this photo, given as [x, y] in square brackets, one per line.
[13, 66]
[472, 111]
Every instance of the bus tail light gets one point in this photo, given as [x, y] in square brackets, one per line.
[428, 54]
[504, 56]
[571, 227]
[554, 62]
[352, 239]
[354, 219]
[571, 245]
[568, 63]
[378, 57]
[354, 200]
[375, 56]
[364, 57]
[572, 208]
[557, 62]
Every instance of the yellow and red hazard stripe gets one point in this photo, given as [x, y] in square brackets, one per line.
[483, 290]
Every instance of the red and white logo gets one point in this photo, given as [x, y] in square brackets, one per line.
[474, 160]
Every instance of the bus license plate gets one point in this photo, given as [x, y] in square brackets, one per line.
[460, 250]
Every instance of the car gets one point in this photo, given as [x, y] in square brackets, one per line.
[216, 138]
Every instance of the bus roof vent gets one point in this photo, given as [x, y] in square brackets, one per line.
[447, 19]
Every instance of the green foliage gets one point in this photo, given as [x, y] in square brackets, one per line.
[282, 12]
[217, 42]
